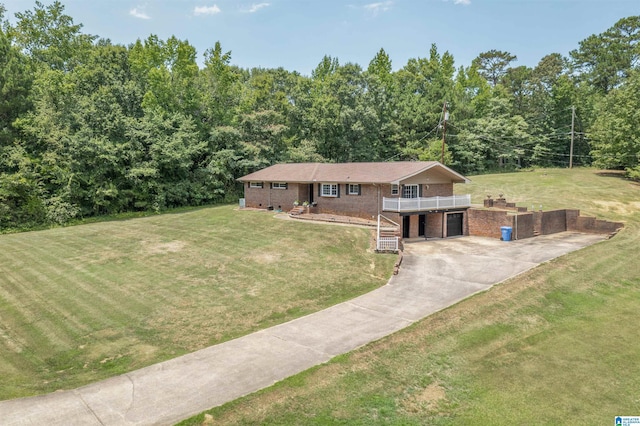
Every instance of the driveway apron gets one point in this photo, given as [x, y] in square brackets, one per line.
[434, 275]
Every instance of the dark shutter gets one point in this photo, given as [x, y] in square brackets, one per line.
[319, 190]
[359, 189]
[286, 186]
[338, 185]
[420, 190]
[270, 185]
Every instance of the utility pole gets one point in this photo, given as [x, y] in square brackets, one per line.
[573, 120]
[445, 117]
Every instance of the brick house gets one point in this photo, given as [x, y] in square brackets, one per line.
[417, 195]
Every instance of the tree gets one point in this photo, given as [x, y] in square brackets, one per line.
[496, 140]
[50, 37]
[219, 87]
[615, 133]
[423, 87]
[15, 84]
[381, 97]
[605, 60]
[493, 65]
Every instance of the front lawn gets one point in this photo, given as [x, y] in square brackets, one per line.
[83, 303]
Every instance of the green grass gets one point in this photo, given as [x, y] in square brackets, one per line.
[82, 303]
[559, 344]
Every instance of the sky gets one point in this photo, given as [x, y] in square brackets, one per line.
[296, 34]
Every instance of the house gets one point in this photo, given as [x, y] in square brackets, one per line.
[416, 195]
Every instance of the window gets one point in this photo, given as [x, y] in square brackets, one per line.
[329, 190]
[279, 185]
[255, 185]
[353, 189]
[394, 189]
[410, 191]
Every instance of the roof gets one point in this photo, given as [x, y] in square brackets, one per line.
[389, 172]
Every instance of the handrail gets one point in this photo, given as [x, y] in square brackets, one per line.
[422, 203]
[389, 220]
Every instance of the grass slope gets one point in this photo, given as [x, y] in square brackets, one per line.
[557, 345]
[82, 303]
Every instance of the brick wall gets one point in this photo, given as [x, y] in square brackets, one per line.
[487, 223]
[553, 221]
[283, 199]
[414, 222]
[437, 190]
[434, 225]
[524, 226]
[593, 225]
[364, 205]
[572, 219]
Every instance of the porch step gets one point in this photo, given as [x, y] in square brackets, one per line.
[389, 233]
[296, 211]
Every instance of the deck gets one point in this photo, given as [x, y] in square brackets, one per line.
[401, 205]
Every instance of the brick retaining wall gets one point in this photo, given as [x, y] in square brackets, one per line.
[487, 223]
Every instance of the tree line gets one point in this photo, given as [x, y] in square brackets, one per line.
[88, 127]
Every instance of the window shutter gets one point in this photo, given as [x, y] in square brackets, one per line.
[286, 186]
[270, 185]
[420, 190]
[359, 189]
[338, 185]
[319, 190]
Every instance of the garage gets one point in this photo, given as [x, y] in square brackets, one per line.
[454, 224]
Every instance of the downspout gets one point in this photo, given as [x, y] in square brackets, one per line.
[378, 231]
[378, 227]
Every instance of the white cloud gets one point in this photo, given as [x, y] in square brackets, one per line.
[256, 7]
[207, 10]
[378, 7]
[137, 13]
[463, 2]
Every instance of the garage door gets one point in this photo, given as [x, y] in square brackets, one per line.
[454, 224]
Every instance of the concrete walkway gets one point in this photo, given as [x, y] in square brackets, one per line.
[434, 275]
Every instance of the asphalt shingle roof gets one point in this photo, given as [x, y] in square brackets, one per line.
[390, 172]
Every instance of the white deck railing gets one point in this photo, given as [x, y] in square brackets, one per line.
[423, 204]
[387, 244]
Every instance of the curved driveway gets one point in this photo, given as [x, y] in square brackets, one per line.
[434, 275]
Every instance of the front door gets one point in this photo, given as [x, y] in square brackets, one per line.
[454, 224]
[422, 221]
[406, 225]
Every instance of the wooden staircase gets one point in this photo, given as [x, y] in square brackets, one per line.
[389, 237]
[389, 231]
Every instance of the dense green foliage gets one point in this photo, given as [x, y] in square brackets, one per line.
[89, 128]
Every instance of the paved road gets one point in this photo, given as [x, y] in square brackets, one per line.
[434, 275]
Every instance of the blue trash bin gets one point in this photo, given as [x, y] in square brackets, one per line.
[506, 233]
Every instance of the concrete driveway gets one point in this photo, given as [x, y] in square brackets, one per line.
[434, 275]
